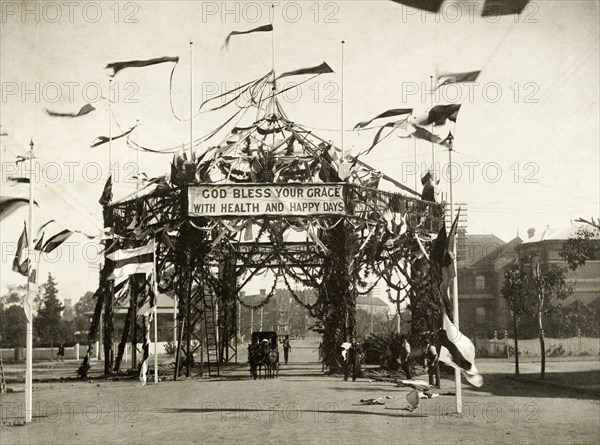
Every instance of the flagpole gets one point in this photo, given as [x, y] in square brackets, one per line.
[109, 127]
[273, 41]
[29, 329]
[274, 87]
[137, 154]
[108, 311]
[155, 290]
[415, 154]
[342, 101]
[432, 144]
[457, 377]
[191, 101]
[109, 296]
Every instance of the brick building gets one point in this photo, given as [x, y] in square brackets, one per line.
[282, 313]
[484, 259]
[481, 268]
[544, 247]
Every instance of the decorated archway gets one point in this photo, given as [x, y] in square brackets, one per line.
[271, 195]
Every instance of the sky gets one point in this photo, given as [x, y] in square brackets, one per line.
[526, 139]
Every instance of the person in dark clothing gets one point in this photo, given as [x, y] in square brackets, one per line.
[353, 360]
[286, 348]
[61, 352]
[429, 188]
[405, 358]
[432, 362]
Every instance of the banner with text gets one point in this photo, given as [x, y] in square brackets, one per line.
[266, 199]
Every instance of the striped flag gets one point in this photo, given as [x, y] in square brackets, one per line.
[106, 192]
[25, 267]
[145, 351]
[459, 352]
[9, 204]
[148, 311]
[438, 115]
[56, 240]
[388, 113]
[450, 78]
[21, 261]
[442, 255]
[132, 261]
[13, 194]
[29, 299]
[421, 133]
[147, 308]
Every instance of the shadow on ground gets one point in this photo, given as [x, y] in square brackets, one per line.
[578, 384]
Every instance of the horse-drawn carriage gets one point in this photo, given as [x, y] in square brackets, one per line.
[263, 354]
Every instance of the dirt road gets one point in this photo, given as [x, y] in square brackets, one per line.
[301, 406]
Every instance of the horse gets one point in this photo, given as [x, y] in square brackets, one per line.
[258, 358]
[265, 358]
[253, 358]
[272, 362]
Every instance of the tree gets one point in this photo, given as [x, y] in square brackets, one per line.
[548, 283]
[13, 326]
[14, 295]
[518, 301]
[83, 308]
[530, 287]
[583, 247]
[12, 317]
[381, 323]
[48, 322]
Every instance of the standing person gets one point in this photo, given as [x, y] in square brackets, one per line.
[322, 356]
[61, 352]
[405, 357]
[353, 360]
[286, 348]
[430, 187]
[432, 362]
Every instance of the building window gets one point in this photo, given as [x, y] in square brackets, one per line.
[479, 282]
[480, 315]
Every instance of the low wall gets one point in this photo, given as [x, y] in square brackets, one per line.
[77, 352]
[40, 354]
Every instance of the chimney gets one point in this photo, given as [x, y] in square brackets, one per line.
[242, 294]
[263, 292]
[530, 232]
